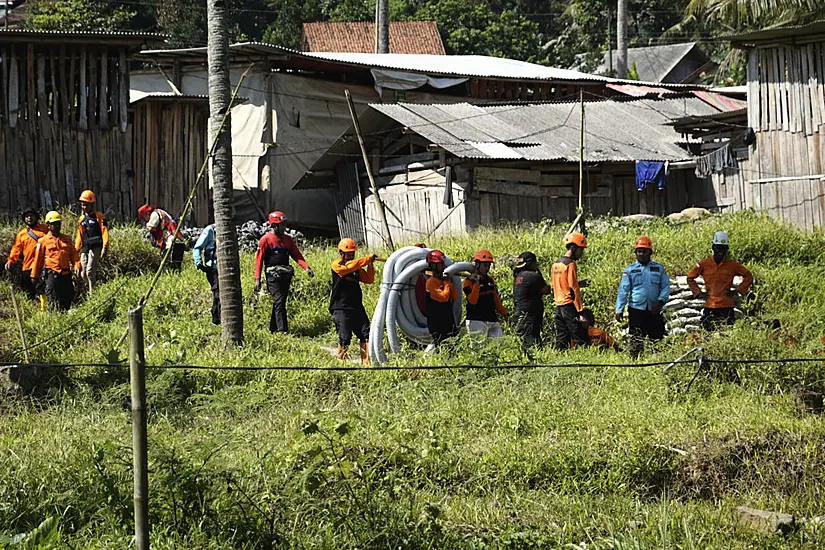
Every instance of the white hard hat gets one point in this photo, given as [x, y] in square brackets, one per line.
[720, 237]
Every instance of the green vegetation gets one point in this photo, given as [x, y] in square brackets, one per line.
[461, 458]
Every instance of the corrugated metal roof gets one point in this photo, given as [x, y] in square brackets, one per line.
[791, 33]
[469, 66]
[83, 34]
[653, 63]
[615, 131]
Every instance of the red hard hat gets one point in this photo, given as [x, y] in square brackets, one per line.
[347, 245]
[87, 196]
[483, 256]
[576, 238]
[435, 257]
[144, 210]
[644, 242]
[277, 217]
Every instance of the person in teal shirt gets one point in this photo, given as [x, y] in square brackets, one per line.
[644, 290]
[206, 259]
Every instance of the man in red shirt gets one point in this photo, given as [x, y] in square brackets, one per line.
[274, 251]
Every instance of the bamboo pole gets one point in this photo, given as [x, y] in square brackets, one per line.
[137, 374]
[20, 325]
[373, 185]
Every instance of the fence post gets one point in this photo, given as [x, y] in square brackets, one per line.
[137, 375]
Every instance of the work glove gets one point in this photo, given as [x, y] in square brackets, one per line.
[657, 307]
[584, 283]
[257, 285]
[310, 272]
[620, 316]
[373, 258]
[202, 267]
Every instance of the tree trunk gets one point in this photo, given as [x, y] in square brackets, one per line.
[229, 266]
[621, 40]
[383, 26]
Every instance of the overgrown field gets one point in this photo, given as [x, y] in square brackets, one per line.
[462, 458]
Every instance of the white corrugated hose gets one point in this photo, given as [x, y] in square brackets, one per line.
[397, 307]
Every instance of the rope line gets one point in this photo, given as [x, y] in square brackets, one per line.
[341, 368]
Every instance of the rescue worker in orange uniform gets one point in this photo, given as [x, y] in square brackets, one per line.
[440, 297]
[24, 247]
[718, 272]
[56, 256]
[345, 302]
[92, 238]
[483, 301]
[274, 250]
[598, 337]
[570, 323]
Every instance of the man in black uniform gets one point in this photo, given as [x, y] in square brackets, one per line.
[529, 290]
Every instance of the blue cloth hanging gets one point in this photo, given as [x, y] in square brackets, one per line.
[650, 172]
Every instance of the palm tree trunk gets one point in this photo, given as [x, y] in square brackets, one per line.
[229, 269]
[621, 40]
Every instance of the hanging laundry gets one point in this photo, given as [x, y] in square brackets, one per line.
[716, 161]
[650, 172]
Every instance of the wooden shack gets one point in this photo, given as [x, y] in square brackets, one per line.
[446, 168]
[64, 119]
[783, 175]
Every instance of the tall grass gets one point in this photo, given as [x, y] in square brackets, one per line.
[589, 457]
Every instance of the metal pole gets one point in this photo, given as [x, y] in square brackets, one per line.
[373, 185]
[581, 148]
[20, 325]
[6, 26]
[137, 372]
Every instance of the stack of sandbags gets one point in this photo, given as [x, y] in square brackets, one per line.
[683, 312]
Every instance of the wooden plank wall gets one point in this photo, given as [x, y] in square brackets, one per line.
[503, 195]
[169, 149]
[64, 127]
[786, 106]
[415, 214]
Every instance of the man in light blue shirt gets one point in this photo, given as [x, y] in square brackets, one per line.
[644, 289]
[206, 259]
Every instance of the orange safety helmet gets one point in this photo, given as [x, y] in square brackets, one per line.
[144, 210]
[435, 257]
[483, 256]
[644, 242]
[575, 238]
[347, 245]
[277, 217]
[87, 196]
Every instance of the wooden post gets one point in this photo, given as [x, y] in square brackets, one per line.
[373, 185]
[137, 374]
[581, 148]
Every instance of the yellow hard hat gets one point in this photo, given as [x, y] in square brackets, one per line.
[53, 217]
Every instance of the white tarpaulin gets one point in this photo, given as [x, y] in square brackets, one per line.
[400, 80]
